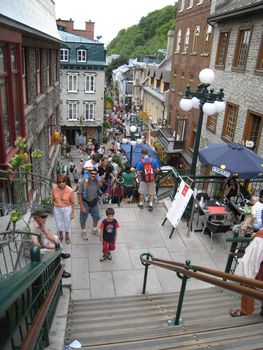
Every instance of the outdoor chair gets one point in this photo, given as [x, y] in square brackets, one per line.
[216, 228]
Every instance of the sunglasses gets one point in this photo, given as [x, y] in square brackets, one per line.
[93, 173]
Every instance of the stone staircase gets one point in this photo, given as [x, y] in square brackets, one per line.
[140, 322]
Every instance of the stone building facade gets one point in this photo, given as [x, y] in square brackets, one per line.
[82, 81]
[29, 80]
[237, 60]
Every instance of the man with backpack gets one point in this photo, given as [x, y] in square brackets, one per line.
[146, 169]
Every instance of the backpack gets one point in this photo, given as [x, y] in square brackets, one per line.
[148, 170]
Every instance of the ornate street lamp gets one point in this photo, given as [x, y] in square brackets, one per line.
[207, 101]
[133, 142]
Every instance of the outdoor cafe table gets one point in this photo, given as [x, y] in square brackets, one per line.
[240, 211]
[210, 209]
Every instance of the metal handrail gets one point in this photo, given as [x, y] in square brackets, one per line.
[29, 293]
[249, 287]
[32, 335]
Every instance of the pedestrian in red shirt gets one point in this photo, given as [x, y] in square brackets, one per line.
[108, 234]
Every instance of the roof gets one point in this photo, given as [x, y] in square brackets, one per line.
[37, 17]
[226, 9]
[73, 42]
[73, 38]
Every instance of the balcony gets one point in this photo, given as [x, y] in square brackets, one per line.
[170, 144]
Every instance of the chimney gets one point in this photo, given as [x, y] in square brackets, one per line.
[90, 29]
[66, 24]
[170, 43]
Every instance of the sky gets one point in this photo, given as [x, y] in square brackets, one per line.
[110, 16]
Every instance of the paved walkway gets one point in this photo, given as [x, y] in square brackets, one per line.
[140, 231]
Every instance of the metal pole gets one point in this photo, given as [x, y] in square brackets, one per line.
[145, 275]
[197, 142]
[131, 155]
[181, 297]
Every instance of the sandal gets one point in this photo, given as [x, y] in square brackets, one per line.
[61, 236]
[236, 313]
[67, 238]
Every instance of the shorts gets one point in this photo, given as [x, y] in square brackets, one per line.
[93, 211]
[148, 187]
[128, 191]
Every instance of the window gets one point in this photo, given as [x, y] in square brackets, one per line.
[48, 68]
[191, 80]
[90, 82]
[253, 127]
[207, 38]
[64, 55]
[73, 110]
[186, 39]
[181, 87]
[10, 96]
[211, 123]
[5, 115]
[178, 40]
[73, 82]
[222, 48]
[81, 56]
[89, 110]
[174, 79]
[242, 48]
[180, 128]
[230, 120]
[192, 139]
[53, 66]
[182, 5]
[259, 65]
[38, 71]
[190, 3]
[196, 37]
[24, 76]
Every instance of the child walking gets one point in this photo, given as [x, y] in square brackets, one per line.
[108, 234]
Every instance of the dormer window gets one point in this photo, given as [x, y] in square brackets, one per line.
[64, 55]
[81, 56]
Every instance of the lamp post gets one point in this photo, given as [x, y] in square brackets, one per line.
[133, 142]
[207, 101]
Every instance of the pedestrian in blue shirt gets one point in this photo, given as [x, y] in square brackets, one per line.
[146, 169]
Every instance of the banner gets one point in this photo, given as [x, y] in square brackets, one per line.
[178, 205]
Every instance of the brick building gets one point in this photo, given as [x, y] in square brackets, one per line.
[192, 53]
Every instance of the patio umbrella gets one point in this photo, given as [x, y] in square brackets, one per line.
[136, 154]
[232, 159]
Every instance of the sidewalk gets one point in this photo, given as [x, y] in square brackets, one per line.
[140, 231]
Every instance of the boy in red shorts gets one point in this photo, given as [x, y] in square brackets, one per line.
[108, 234]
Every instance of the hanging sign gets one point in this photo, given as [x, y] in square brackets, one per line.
[181, 199]
[221, 171]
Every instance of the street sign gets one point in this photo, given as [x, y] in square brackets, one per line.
[220, 171]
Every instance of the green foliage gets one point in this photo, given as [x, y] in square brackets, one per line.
[147, 37]
[106, 124]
